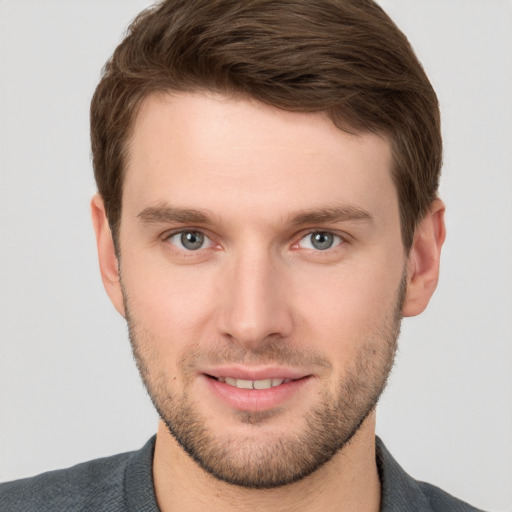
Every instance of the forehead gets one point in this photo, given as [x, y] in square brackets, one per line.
[240, 155]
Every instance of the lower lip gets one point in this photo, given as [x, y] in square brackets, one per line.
[254, 400]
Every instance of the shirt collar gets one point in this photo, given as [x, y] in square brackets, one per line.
[398, 489]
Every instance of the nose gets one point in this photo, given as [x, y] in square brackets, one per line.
[256, 307]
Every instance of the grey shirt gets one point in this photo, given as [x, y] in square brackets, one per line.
[124, 483]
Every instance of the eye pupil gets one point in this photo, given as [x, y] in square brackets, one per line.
[192, 240]
[322, 241]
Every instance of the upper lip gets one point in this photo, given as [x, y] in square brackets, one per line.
[255, 373]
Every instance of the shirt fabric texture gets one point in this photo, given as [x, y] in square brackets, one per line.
[124, 483]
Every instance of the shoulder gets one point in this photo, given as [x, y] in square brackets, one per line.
[441, 501]
[401, 492]
[94, 485]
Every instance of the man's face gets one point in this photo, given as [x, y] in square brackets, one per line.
[263, 275]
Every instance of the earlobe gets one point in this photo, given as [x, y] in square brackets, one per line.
[423, 260]
[109, 265]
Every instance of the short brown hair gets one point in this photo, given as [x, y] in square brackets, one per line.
[342, 57]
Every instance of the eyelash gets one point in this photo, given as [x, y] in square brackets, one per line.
[337, 240]
[182, 232]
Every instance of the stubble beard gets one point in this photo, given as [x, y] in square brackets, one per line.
[254, 463]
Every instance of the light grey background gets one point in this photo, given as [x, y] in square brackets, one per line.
[69, 390]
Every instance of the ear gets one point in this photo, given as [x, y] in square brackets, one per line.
[423, 260]
[109, 264]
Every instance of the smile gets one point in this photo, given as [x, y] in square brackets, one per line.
[253, 384]
[256, 394]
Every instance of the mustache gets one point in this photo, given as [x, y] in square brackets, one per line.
[272, 352]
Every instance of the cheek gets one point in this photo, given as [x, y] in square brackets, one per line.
[344, 308]
[171, 304]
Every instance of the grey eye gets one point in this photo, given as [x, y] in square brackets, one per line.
[189, 240]
[320, 241]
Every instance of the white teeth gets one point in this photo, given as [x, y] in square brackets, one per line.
[262, 384]
[244, 384]
[253, 384]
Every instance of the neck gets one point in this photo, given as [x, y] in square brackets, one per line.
[349, 481]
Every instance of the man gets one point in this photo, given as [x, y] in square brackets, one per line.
[267, 212]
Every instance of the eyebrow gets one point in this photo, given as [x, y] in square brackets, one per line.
[330, 215]
[168, 214]
[164, 213]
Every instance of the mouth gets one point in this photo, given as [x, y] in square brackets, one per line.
[245, 392]
[252, 384]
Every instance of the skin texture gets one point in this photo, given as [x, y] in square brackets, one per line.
[250, 185]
